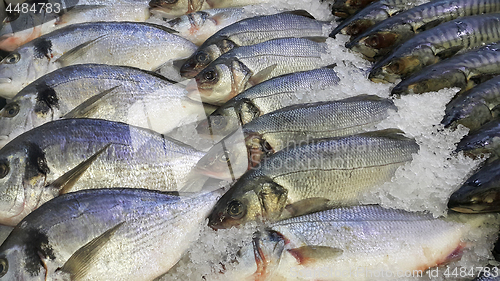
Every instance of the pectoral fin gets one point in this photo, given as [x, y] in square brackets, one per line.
[262, 75]
[306, 206]
[78, 264]
[303, 13]
[88, 107]
[449, 52]
[310, 254]
[429, 25]
[74, 54]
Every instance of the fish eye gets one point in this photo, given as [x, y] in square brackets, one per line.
[222, 157]
[4, 170]
[4, 266]
[202, 57]
[210, 75]
[235, 209]
[373, 41]
[12, 17]
[12, 58]
[10, 110]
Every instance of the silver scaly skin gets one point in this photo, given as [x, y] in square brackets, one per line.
[437, 44]
[95, 153]
[114, 43]
[104, 234]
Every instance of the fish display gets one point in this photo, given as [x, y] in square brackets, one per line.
[331, 171]
[74, 154]
[290, 127]
[116, 93]
[345, 8]
[485, 139]
[463, 71]
[434, 45]
[84, 43]
[240, 68]
[71, 237]
[181, 7]
[252, 31]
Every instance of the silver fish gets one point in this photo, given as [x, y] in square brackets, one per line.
[99, 235]
[74, 154]
[180, 7]
[335, 171]
[436, 44]
[290, 127]
[252, 31]
[116, 93]
[99, 42]
[242, 67]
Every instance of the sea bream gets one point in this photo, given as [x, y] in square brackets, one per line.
[326, 172]
[267, 97]
[243, 67]
[114, 43]
[46, 16]
[116, 93]
[180, 7]
[105, 234]
[252, 31]
[385, 36]
[437, 44]
[74, 154]
[289, 127]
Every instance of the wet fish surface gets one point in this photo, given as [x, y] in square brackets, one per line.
[124, 44]
[345, 8]
[98, 235]
[181, 7]
[75, 154]
[334, 171]
[485, 139]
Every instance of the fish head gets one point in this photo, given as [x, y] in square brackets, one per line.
[431, 79]
[225, 160]
[15, 71]
[220, 81]
[391, 69]
[249, 199]
[199, 60]
[476, 196]
[373, 45]
[357, 27]
[348, 7]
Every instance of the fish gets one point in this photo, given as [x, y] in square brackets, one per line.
[488, 274]
[474, 107]
[267, 97]
[289, 127]
[485, 139]
[116, 93]
[480, 192]
[346, 8]
[175, 8]
[242, 67]
[20, 28]
[355, 243]
[252, 31]
[94, 42]
[436, 44]
[99, 234]
[463, 71]
[382, 38]
[73, 154]
[374, 13]
[323, 173]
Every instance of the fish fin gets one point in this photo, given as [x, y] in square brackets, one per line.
[65, 182]
[364, 97]
[86, 108]
[74, 11]
[429, 25]
[331, 66]
[317, 39]
[78, 264]
[306, 206]
[392, 133]
[449, 52]
[159, 26]
[303, 13]
[71, 55]
[309, 254]
[262, 75]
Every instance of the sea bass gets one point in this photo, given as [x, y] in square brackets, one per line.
[290, 127]
[252, 31]
[242, 67]
[99, 235]
[326, 172]
[180, 7]
[74, 154]
[95, 42]
[116, 93]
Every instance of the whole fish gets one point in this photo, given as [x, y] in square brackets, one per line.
[326, 172]
[252, 31]
[47, 16]
[384, 37]
[116, 93]
[180, 7]
[480, 193]
[242, 67]
[355, 244]
[485, 139]
[115, 43]
[74, 154]
[474, 107]
[373, 14]
[290, 127]
[463, 71]
[266, 97]
[345, 8]
[99, 235]
[436, 44]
